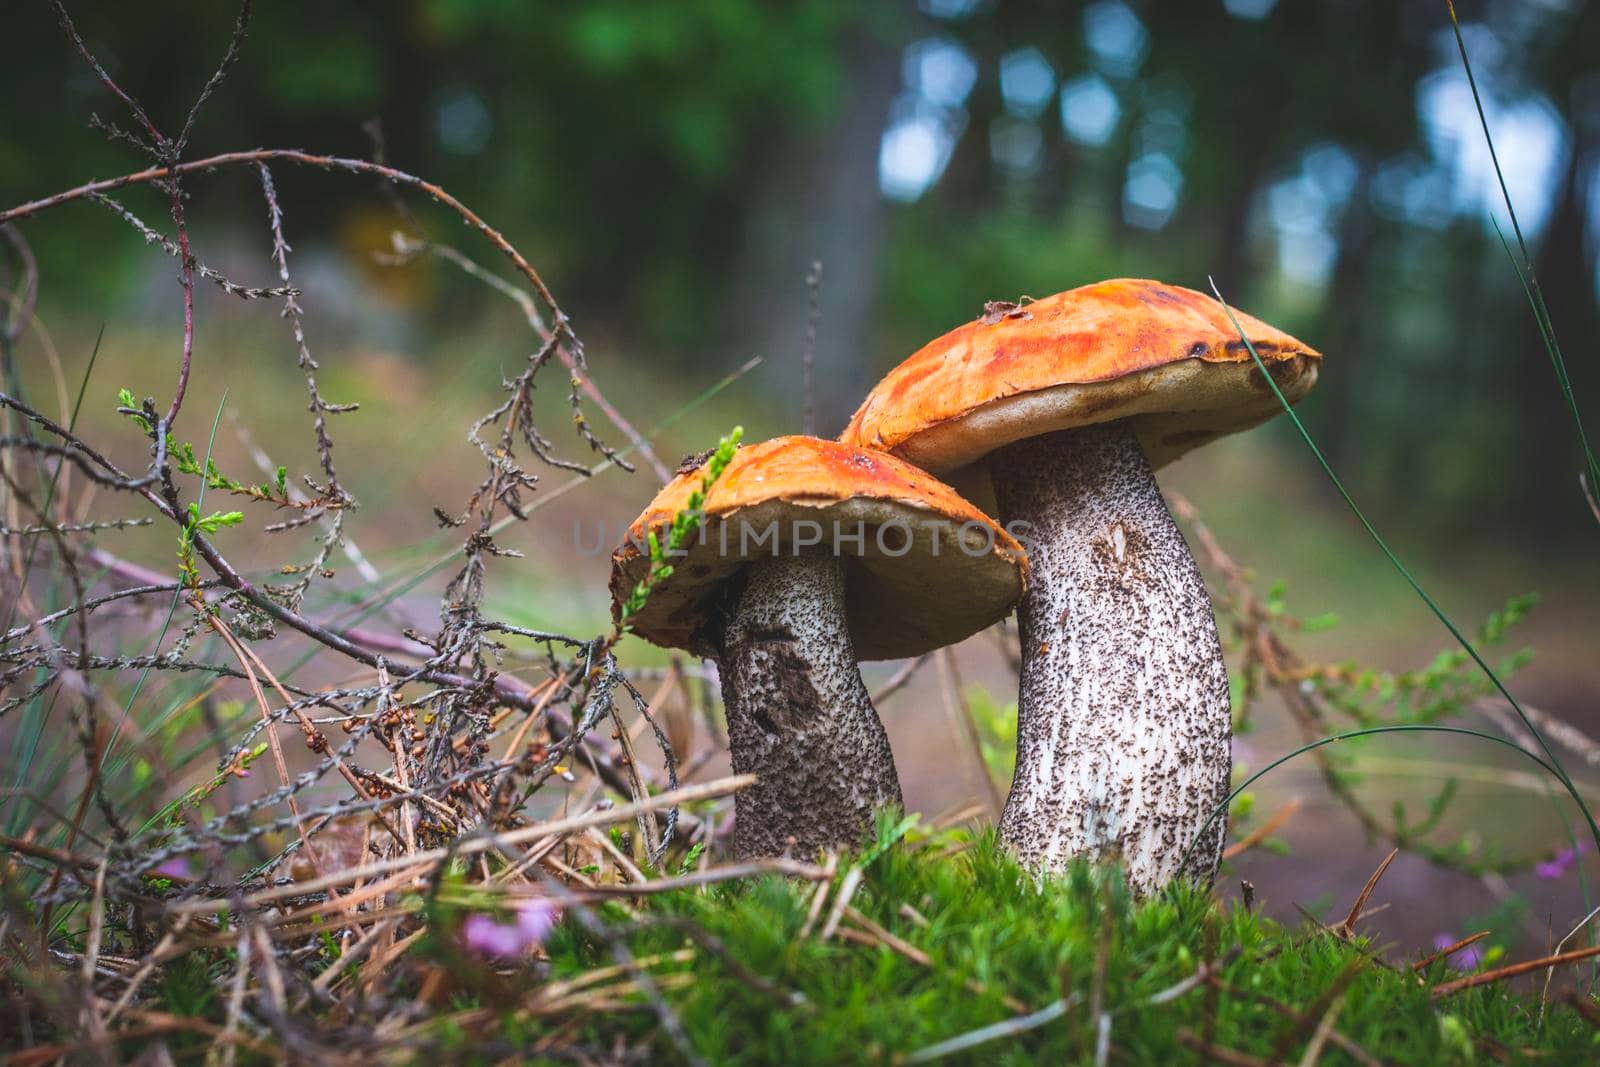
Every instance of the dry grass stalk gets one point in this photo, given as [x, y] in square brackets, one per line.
[1349, 924]
[841, 901]
[1262, 832]
[425, 860]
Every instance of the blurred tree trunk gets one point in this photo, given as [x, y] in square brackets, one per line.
[1342, 330]
[1233, 270]
[1547, 489]
[817, 200]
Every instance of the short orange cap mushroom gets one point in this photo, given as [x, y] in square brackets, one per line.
[1162, 356]
[811, 555]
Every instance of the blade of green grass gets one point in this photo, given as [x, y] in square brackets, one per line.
[50, 489]
[38, 714]
[1541, 314]
[1471, 650]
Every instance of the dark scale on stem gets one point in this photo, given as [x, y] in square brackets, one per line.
[799, 716]
[1123, 729]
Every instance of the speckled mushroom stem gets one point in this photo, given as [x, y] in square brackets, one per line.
[799, 717]
[1123, 732]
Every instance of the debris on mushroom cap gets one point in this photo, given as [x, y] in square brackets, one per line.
[998, 310]
[1127, 348]
[928, 569]
[693, 461]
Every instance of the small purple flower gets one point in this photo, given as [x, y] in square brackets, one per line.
[1466, 959]
[488, 938]
[176, 867]
[535, 918]
[1559, 865]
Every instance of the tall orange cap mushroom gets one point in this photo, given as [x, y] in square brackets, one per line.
[1068, 404]
[1164, 357]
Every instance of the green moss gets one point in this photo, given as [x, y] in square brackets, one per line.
[986, 922]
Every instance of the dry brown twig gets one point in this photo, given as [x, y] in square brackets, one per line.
[1262, 832]
[1445, 989]
[429, 704]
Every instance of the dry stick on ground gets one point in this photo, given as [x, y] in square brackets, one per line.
[1320, 1036]
[1449, 950]
[841, 900]
[995, 1032]
[90, 1014]
[402, 777]
[1102, 961]
[819, 896]
[423, 861]
[1201, 974]
[1511, 971]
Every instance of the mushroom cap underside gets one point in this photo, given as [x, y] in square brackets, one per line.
[1163, 356]
[924, 567]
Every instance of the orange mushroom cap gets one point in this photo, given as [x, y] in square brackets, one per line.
[1164, 356]
[927, 570]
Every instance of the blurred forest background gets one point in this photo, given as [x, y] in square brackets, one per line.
[674, 168]
[678, 166]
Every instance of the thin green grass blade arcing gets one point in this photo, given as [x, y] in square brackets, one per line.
[1554, 763]
[1367, 731]
[1524, 267]
[38, 714]
[1535, 297]
[50, 488]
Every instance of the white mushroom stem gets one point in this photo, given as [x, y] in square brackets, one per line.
[1123, 732]
[799, 717]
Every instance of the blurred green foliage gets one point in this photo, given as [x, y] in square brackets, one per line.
[674, 167]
